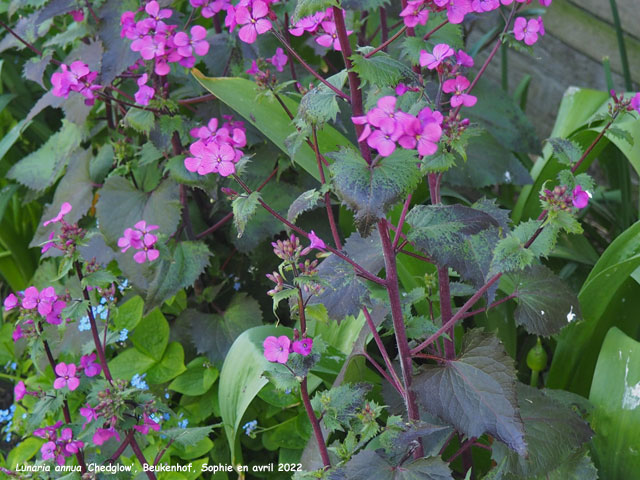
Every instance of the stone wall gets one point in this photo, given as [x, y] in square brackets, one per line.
[579, 34]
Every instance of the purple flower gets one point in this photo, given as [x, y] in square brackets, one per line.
[580, 197]
[197, 44]
[303, 346]
[424, 136]
[254, 70]
[102, 435]
[50, 244]
[11, 302]
[42, 300]
[457, 86]
[66, 376]
[434, 59]
[456, 9]
[17, 333]
[384, 111]
[526, 30]
[64, 209]
[254, 21]
[89, 414]
[482, 6]
[91, 369]
[145, 93]
[463, 59]
[316, 242]
[330, 37]
[147, 424]
[277, 349]
[53, 317]
[415, 13]
[131, 238]
[19, 391]
[635, 102]
[307, 24]
[384, 139]
[77, 15]
[279, 60]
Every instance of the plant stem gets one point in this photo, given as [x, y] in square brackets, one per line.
[624, 59]
[315, 424]
[384, 28]
[386, 376]
[393, 291]
[140, 456]
[25, 43]
[327, 198]
[403, 214]
[386, 43]
[429, 34]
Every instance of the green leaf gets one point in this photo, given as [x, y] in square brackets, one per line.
[34, 69]
[244, 207]
[553, 432]
[369, 464]
[117, 53]
[305, 8]
[320, 105]
[152, 335]
[100, 278]
[130, 362]
[370, 191]
[278, 297]
[339, 404]
[129, 313]
[170, 365]
[615, 393]
[578, 466]
[380, 69]
[510, 255]
[241, 378]
[41, 168]
[269, 118]
[24, 451]
[305, 202]
[544, 243]
[198, 378]
[213, 334]
[362, 5]
[121, 206]
[141, 121]
[566, 151]
[475, 393]
[344, 292]
[545, 302]
[188, 437]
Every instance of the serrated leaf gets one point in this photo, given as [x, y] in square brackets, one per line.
[510, 256]
[339, 404]
[214, 334]
[441, 161]
[187, 437]
[305, 202]
[564, 220]
[100, 278]
[370, 191]
[552, 433]
[141, 121]
[320, 105]
[622, 134]
[380, 69]
[344, 292]
[545, 303]
[566, 151]
[369, 464]
[278, 297]
[305, 8]
[73, 32]
[35, 67]
[578, 466]
[118, 55]
[544, 243]
[244, 207]
[41, 168]
[475, 393]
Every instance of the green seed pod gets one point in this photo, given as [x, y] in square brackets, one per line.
[537, 357]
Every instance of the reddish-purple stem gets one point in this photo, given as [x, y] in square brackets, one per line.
[315, 424]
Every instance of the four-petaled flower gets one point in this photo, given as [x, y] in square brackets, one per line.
[436, 57]
[253, 21]
[279, 60]
[303, 346]
[457, 86]
[66, 376]
[64, 209]
[276, 349]
[91, 369]
[526, 30]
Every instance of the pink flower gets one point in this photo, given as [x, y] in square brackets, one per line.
[254, 70]
[10, 302]
[48, 450]
[77, 15]
[463, 59]
[131, 238]
[66, 376]
[89, 414]
[277, 349]
[17, 333]
[457, 86]
[434, 59]
[307, 24]
[147, 424]
[420, 135]
[527, 31]
[224, 159]
[635, 102]
[91, 369]
[64, 209]
[303, 346]
[316, 242]
[415, 13]
[580, 197]
[50, 244]
[53, 317]
[43, 300]
[197, 44]
[456, 9]
[545, 3]
[279, 60]
[481, 6]
[102, 435]
[153, 10]
[253, 22]
[384, 139]
[19, 391]
[330, 37]
[144, 93]
[401, 89]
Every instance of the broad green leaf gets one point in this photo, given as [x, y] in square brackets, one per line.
[344, 292]
[320, 105]
[553, 433]
[24, 451]
[615, 393]
[305, 8]
[141, 121]
[198, 378]
[11, 137]
[510, 255]
[214, 334]
[544, 243]
[41, 168]
[566, 151]
[170, 365]
[339, 404]
[546, 304]
[188, 437]
[126, 364]
[244, 208]
[475, 393]
[129, 313]
[380, 69]
[241, 378]
[369, 464]
[121, 206]
[370, 191]
[286, 435]
[152, 335]
[604, 297]
[577, 467]
[269, 117]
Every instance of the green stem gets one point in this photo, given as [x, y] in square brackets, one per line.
[624, 59]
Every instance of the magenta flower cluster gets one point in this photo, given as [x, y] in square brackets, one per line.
[385, 125]
[140, 239]
[45, 303]
[75, 78]
[322, 26]
[217, 150]
[278, 349]
[58, 447]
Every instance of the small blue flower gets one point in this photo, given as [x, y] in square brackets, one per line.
[166, 416]
[24, 415]
[236, 286]
[103, 301]
[166, 395]
[138, 382]
[183, 423]
[124, 334]
[287, 391]
[14, 365]
[100, 311]
[249, 427]
[83, 324]
[124, 284]
[155, 418]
